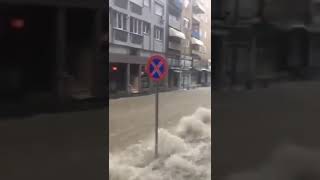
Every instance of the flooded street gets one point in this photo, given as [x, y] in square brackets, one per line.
[184, 137]
[132, 119]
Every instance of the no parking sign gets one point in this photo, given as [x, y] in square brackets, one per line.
[157, 67]
[157, 70]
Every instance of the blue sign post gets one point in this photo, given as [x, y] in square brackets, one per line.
[157, 70]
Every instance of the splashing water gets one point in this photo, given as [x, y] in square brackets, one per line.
[184, 154]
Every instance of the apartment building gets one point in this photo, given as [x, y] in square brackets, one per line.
[186, 56]
[175, 42]
[200, 41]
[137, 29]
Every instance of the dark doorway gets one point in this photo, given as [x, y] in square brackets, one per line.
[117, 77]
[27, 50]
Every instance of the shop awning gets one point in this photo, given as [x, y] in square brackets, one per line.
[176, 33]
[196, 41]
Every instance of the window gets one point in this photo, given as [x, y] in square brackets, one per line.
[158, 33]
[120, 21]
[186, 23]
[146, 3]
[158, 9]
[146, 28]
[135, 26]
[135, 8]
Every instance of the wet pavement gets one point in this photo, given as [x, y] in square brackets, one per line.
[248, 125]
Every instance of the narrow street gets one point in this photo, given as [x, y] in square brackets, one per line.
[132, 119]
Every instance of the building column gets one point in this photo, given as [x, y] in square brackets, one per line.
[60, 52]
[128, 79]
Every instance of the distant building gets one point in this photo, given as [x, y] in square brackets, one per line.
[201, 42]
[175, 41]
[137, 29]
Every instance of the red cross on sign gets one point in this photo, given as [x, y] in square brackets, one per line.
[157, 67]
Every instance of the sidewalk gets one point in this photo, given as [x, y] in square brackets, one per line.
[122, 95]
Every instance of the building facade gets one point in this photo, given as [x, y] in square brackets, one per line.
[186, 56]
[175, 42]
[201, 42]
[137, 29]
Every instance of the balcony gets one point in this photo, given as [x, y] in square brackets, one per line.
[195, 34]
[196, 64]
[175, 63]
[121, 3]
[197, 7]
[176, 33]
[136, 39]
[196, 19]
[120, 35]
[174, 45]
[174, 22]
[196, 52]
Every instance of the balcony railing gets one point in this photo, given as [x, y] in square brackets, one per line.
[136, 38]
[121, 3]
[174, 45]
[120, 35]
[175, 63]
[196, 19]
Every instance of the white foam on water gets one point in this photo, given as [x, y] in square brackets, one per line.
[184, 154]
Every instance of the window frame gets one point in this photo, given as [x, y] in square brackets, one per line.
[155, 9]
[136, 26]
[158, 33]
[122, 23]
[146, 28]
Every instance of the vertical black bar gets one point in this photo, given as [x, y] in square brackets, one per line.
[157, 119]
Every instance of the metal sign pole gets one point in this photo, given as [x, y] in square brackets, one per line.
[157, 119]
